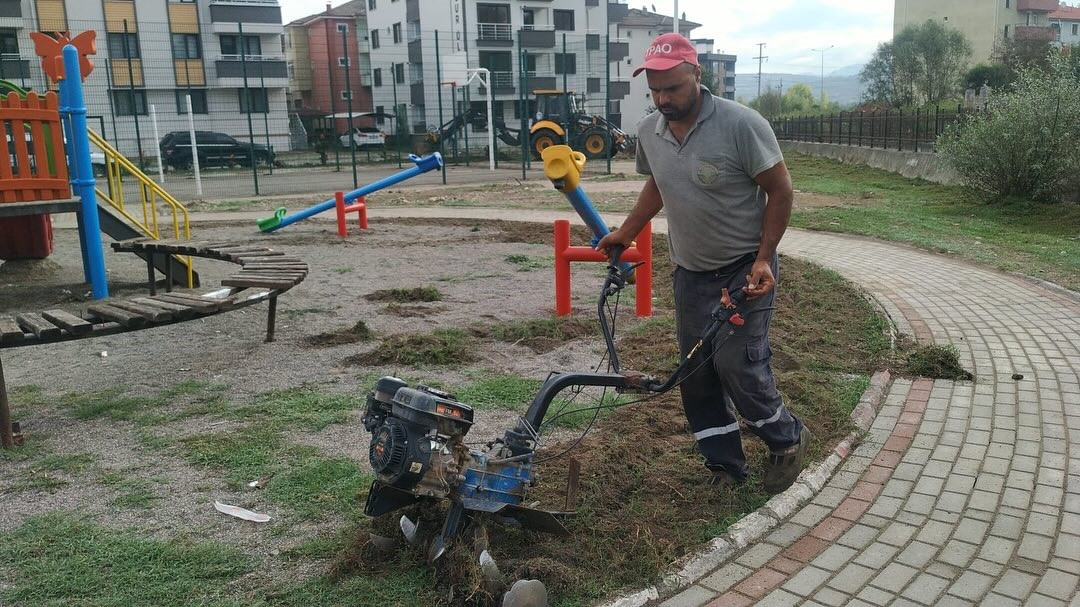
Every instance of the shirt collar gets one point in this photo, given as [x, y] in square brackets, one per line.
[708, 107]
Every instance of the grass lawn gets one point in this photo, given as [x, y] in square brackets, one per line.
[1015, 235]
[1039, 240]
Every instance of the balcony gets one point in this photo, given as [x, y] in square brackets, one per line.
[1038, 6]
[416, 52]
[1026, 33]
[502, 83]
[617, 11]
[494, 34]
[618, 49]
[618, 88]
[273, 71]
[258, 17]
[13, 67]
[417, 94]
[537, 36]
[540, 82]
[11, 14]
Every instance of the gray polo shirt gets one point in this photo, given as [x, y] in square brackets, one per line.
[713, 205]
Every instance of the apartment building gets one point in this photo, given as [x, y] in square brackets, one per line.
[499, 35]
[329, 66]
[984, 22]
[1066, 23]
[637, 28]
[226, 54]
[722, 66]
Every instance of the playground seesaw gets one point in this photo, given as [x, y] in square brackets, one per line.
[281, 218]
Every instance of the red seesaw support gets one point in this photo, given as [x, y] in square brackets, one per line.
[641, 252]
[359, 207]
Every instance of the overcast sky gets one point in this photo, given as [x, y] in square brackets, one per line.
[790, 29]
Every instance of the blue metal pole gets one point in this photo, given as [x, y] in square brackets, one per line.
[74, 105]
[585, 209]
[69, 151]
[423, 165]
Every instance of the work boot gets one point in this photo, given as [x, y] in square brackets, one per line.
[785, 465]
[721, 479]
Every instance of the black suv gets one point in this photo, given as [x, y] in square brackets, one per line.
[215, 149]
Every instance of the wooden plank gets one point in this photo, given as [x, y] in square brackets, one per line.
[16, 209]
[282, 259]
[36, 324]
[178, 310]
[267, 283]
[194, 301]
[149, 313]
[263, 253]
[10, 331]
[106, 311]
[69, 322]
[294, 277]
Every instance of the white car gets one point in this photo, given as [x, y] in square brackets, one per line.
[365, 137]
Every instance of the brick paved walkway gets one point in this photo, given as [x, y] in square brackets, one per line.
[964, 493]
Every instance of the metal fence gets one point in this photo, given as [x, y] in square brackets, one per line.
[914, 130]
[300, 91]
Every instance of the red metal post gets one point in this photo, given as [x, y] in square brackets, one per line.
[564, 254]
[362, 212]
[562, 268]
[339, 206]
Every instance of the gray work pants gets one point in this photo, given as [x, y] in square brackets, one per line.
[732, 373]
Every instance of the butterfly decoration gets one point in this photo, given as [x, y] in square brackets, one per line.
[50, 49]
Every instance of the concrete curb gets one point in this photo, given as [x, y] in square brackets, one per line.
[755, 525]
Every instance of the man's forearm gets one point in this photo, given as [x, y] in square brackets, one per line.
[777, 216]
[648, 205]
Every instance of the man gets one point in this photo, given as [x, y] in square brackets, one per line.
[716, 168]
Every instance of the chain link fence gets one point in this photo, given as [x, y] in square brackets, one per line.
[312, 109]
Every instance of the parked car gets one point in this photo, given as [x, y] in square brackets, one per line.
[366, 138]
[215, 149]
[97, 159]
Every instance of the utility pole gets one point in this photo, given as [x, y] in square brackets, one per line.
[761, 57]
[822, 51]
[675, 25]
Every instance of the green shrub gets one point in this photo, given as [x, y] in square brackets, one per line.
[1024, 144]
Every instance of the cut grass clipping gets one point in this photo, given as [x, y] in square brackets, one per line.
[937, 362]
[440, 347]
[346, 335]
[414, 295]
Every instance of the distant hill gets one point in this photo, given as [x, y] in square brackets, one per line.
[848, 70]
[844, 90]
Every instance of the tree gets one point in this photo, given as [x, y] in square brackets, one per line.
[769, 104]
[1015, 55]
[923, 64]
[799, 99]
[710, 80]
[995, 76]
[1025, 143]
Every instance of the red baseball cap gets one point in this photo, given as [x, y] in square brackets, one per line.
[666, 52]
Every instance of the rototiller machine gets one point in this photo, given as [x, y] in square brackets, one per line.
[419, 454]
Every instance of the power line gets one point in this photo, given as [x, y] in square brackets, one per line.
[761, 57]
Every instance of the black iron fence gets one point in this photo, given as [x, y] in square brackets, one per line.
[902, 130]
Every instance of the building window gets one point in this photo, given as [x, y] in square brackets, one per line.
[564, 19]
[374, 39]
[1006, 31]
[376, 76]
[1008, 3]
[379, 115]
[371, 5]
[397, 32]
[124, 46]
[343, 27]
[1076, 27]
[129, 102]
[198, 101]
[399, 73]
[343, 61]
[230, 45]
[9, 42]
[493, 13]
[346, 95]
[255, 99]
[186, 46]
[565, 63]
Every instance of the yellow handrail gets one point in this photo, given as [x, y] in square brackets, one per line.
[150, 193]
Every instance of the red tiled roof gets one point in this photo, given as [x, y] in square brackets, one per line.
[1044, 6]
[1067, 13]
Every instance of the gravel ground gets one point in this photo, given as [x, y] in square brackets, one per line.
[466, 261]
